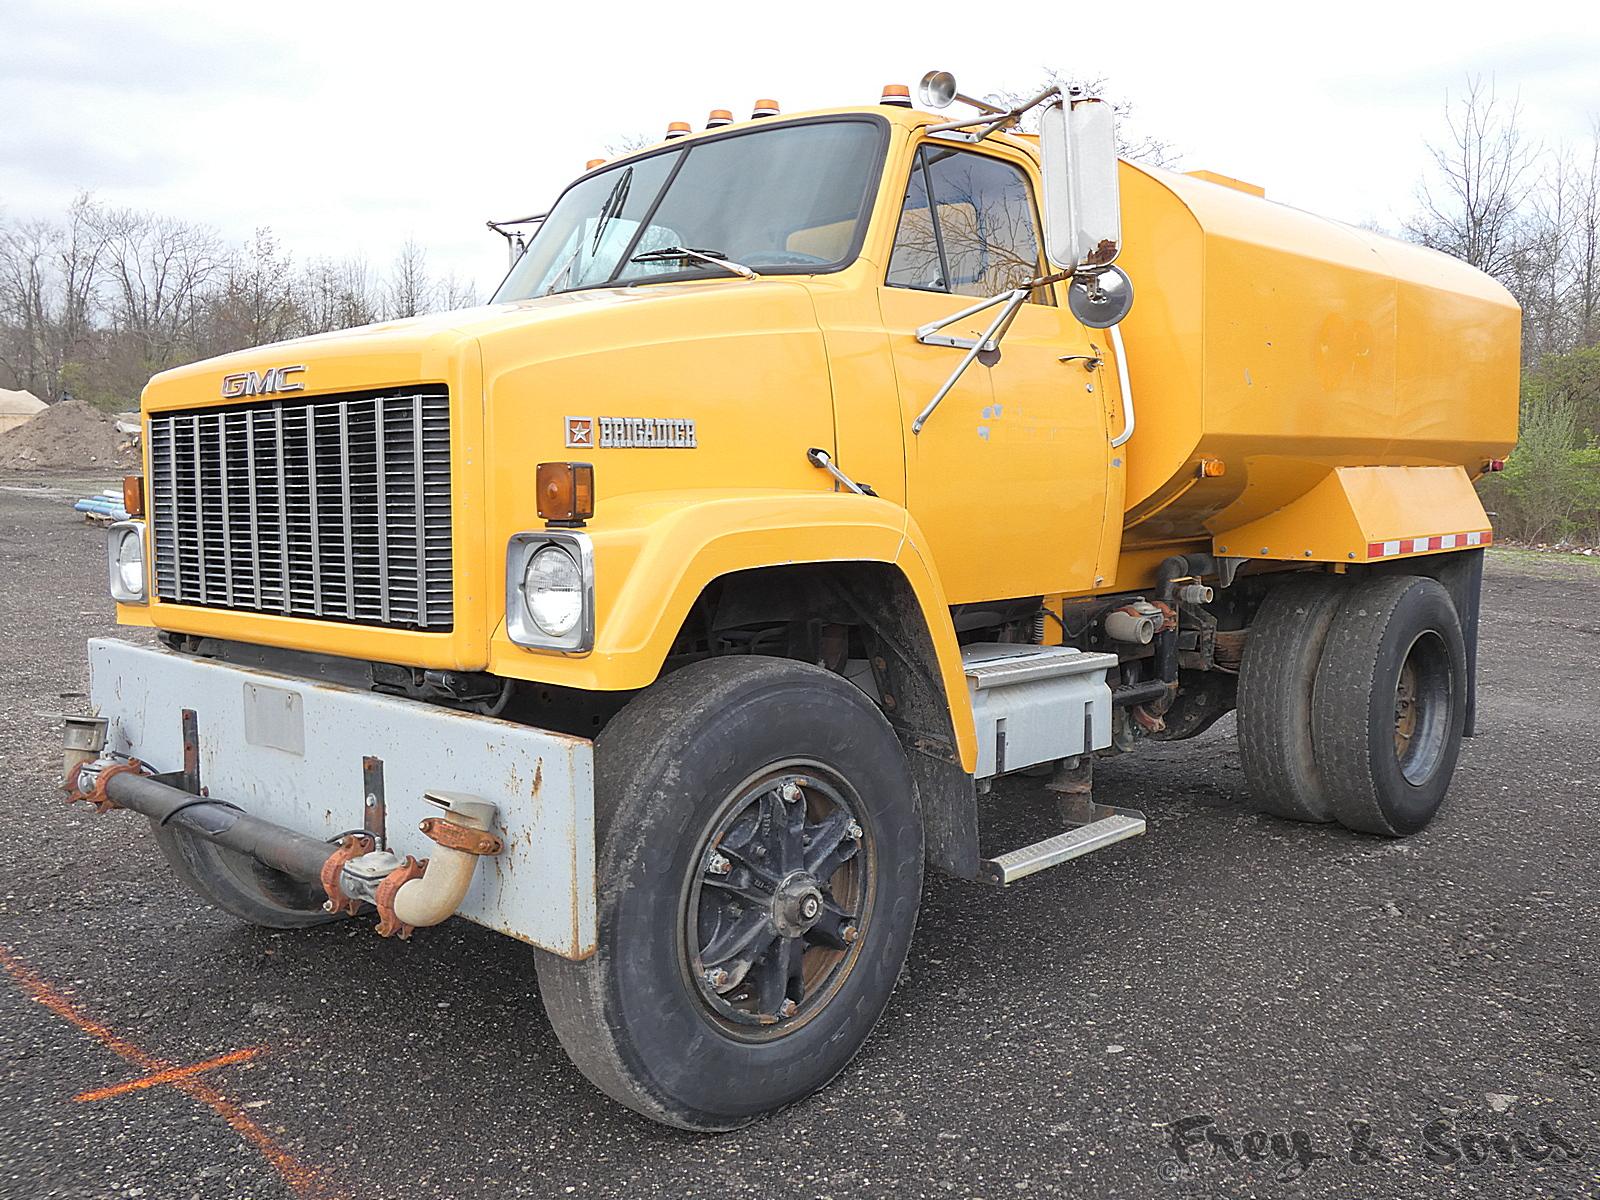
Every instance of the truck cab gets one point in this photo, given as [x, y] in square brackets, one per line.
[670, 611]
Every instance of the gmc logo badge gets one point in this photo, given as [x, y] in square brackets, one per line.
[262, 383]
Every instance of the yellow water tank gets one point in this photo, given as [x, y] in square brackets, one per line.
[1282, 345]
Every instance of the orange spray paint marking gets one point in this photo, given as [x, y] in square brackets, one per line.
[170, 1075]
[301, 1179]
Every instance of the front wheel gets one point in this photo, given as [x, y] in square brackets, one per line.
[760, 868]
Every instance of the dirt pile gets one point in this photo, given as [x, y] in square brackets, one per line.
[68, 436]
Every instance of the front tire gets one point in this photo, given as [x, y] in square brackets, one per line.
[759, 868]
[1390, 704]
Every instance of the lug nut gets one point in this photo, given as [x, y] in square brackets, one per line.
[853, 831]
[849, 933]
[716, 977]
[791, 792]
[789, 1009]
[718, 864]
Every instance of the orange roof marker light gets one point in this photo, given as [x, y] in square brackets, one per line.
[593, 163]
[764, 108]
[718, 118]
[677, 129]
[897, 94]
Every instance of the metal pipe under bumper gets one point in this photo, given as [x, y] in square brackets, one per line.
[294, 854]
[1139, 693]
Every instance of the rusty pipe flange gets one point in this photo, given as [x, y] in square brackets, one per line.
[352, 845]
[1147, 720]
[388, 924]
[97, 795]
[460, 837]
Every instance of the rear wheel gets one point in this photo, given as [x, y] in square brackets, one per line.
[759, 867]
[1276, 678]
[1390, 703]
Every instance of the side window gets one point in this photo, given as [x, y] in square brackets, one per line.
[977, 237]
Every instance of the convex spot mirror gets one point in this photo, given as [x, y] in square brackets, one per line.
[1082, 206]
[1102, 299]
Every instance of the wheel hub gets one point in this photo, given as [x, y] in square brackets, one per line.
[796, 905]
[774, 917]
[1422, 709]
[1405, 708]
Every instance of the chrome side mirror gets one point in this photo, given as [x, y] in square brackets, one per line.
[1082, 206]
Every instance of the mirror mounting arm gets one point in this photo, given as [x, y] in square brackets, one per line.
[1011, 303]
[992, 122]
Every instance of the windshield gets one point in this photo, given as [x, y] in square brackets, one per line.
[785, 200]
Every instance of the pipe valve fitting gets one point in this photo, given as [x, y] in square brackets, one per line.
[82, 741]
[428, 891]
[1137, 622]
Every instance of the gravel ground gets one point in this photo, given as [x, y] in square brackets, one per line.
[1286, 979]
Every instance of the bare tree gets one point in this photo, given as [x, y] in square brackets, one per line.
[453, 293]
[25, 307]
[100, 300]
[1471, 207]
[408, 291]
[158, 268]
[1585, 245]
[1543, 275]
[629, 143]
[258, 301]
[50, 277]
[1135, 147]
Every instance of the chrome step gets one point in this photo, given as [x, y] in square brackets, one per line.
[1063, 847]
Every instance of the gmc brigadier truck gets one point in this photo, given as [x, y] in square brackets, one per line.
[805, 475]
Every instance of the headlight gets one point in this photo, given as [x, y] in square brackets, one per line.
[125, 562]
[552, 588]
[550, 591]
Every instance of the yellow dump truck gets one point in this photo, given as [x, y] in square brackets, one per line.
[805, 475]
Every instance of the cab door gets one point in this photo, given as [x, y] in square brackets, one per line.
[1007, 479]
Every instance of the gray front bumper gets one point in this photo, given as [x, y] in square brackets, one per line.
[290, 751]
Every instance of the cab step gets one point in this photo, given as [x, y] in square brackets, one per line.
[1117, 825]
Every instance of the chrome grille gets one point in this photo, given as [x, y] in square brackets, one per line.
[335, 507]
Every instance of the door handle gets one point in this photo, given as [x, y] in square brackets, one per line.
[1091, 362]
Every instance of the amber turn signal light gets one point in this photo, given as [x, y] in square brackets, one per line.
[1210, 468]
[566, 491]
[133, 494]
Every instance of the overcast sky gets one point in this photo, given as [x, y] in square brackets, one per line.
[349, 126]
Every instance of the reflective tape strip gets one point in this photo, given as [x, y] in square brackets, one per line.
[1424, 545]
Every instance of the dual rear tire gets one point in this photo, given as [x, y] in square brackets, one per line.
[1352, 701]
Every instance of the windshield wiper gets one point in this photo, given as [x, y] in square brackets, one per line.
[689, 254]
[612, 206]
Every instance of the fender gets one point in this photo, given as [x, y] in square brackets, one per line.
[1367, 514]
[655, 553]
